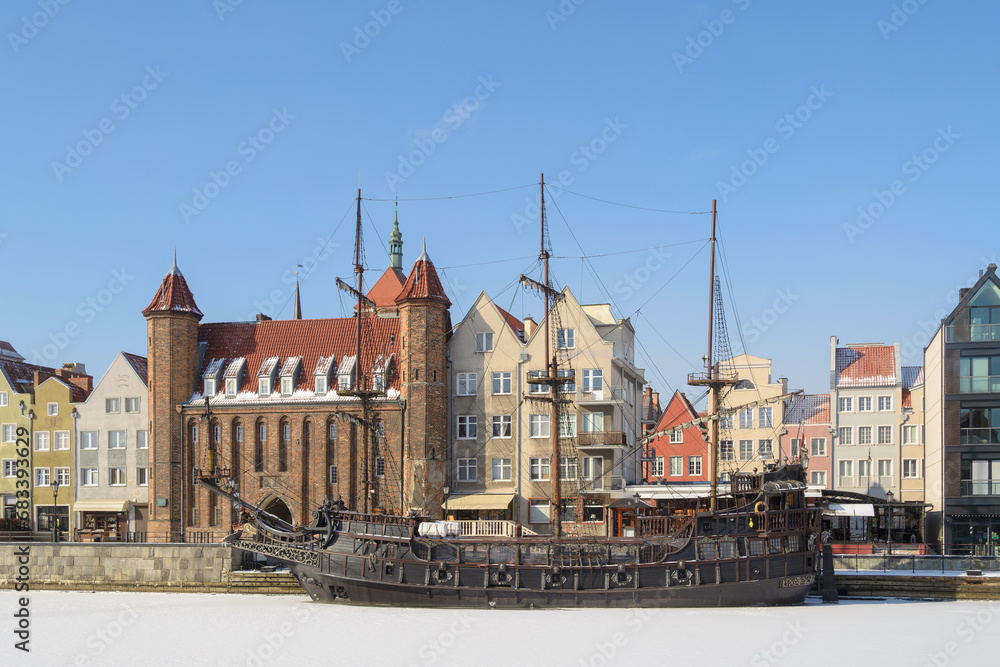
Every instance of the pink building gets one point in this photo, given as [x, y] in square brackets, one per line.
[805, 436]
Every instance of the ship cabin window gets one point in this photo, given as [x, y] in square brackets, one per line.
[727, 548]
[775, 545]
[755, 546]
[706, 550]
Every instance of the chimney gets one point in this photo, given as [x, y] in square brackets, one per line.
[529, 326]
[784, 385]
[656, 402]
[965, 290]
[74, 367]
[84, 382]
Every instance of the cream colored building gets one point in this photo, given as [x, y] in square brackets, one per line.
[500, 431]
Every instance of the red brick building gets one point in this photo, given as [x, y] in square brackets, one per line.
[272, 404]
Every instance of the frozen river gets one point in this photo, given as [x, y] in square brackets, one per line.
[69, 628]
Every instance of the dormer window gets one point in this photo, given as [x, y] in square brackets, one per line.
[289, 375]
[286, 386]
[213, 372]
[210, 388]
[321, 374]
[381, 372]
[234, 376]
[264, 386]
[230, 387]
[345, 374]
[266, 376]
[321, 382]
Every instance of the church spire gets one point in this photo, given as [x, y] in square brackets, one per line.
[297, 309]
[396, 244]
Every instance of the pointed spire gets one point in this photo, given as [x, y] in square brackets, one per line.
[423, 255]
[174, 295]
[297, 310]
[396, 244]
[174, 271]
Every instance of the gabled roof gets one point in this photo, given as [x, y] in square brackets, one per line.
[7, 351]
[515, 324]
[387, 288]
[173, 295]
[913, 376]
[989, 275]
[21, 376]
[140, 365]
[866, 366]
[678, 411]
[807, 409]
[290, 366]
[423, 282]
[77, 394]
[323, 365]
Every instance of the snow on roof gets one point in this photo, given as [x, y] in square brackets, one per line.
[866, 366]
[213, 367]
[267, 368]
[323, 365]
[290, 367]
[346, 365]
[235, 367]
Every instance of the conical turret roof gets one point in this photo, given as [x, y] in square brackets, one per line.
[423, 282]
[174, 295]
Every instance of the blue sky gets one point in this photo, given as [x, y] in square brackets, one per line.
[238, 132]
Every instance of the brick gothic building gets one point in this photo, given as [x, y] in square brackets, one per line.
[267, 401]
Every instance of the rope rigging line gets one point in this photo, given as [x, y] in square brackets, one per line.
[474, 194]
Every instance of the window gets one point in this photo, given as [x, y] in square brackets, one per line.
[88, 477]
[565, 338]
[864, 403]
[656, 467]
[466, 384]
[593, 470]
[467, 427]
[817, 478]
[765, 417]
[568, 511]
[262, 432]
[844, 404]
[61, 440]
[593, 510]
[380, 467]
[539, 469]
[864, 468]
[864, 435]
[484, 341]
[467, 470]
[844, 435]
[911, 468]
[676, 466]
[846, 469]
[142, 439]
[567, 425]
[694, 465]
[88, 440]
[501, 426]
[536, 388]
[501, 382]
[116, 440]
[568, 386]
[62, 476]
[676, 436]
[142, 476]
[980, 477]
[568, 468]
[112, 405]
[3, 399]
[746, 450]
[41, 476]
[10, 467]
[333, 430]
[41, 441]
[885, 403]
[52, 409]
[194, 516]
[321, 387]
[765, 449]
[132, 404]
[818, 446]
[746, 418]
[885, 470]
[333, 474]
[744, 384]
[726, 451]
[9, 433]
[795, 445]
[286, 386]
[538, 426]
[286, 431]
[194, 434]
[230, 387]
[593, 379]
[239, 433]
[116, 476]
[344, 380]
[593, 422]
[726, 421]
[210, 388]
[264, 386]
[885, 435]
[538, 510]
[979, 374]
[979, 426]
[911, 434]
[501, 470]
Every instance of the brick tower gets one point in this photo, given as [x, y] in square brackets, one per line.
[172, 338]
[424, 326]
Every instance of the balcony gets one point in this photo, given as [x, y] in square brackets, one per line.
[601, 439]
[979, 436]
[979, 384]
[972, 333]
[980, 487]
[601, 396]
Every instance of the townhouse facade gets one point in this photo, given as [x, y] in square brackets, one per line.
[750, 427]
[806, 437]
[677, 464]
[501, 430]
[112, 462]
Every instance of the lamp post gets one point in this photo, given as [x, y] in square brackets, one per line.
[446, 490]
[889, 497]
[55, 508]
[869, 472]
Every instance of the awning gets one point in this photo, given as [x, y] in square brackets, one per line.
[101, 506]
[851, 509]
[479, 501]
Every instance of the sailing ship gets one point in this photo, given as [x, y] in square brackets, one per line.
[755, 545]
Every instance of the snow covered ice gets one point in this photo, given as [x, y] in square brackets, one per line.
[78, 628]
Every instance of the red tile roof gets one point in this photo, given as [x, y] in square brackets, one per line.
[310, 339]
[387, 288]
[20, 375]
[866, 366]
[173, 296]
[808, 409]
[140, 365]
[423, 282]
[514, 323]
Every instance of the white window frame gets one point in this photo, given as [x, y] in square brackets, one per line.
[746, 418]
[135, 400]
[567, 424]
[865, 435]
[885, 435]
[321, 386]
[89, 440]
[845, 404]
[656, 466]
[9, 468]
[566, 387]
[911, 434]
[765, 417]
[817, 451]
[676, 436]
[591, 422]
[52, 409]
[593, 380]
[845, 472]
[501, 382]
[726, 450]
[89, 477]
[3, 399]
[676, 466]
[465, 384]
[537, 388]
[885, 403]
[119, 442]
[865, 404]
[565, 339]
[539, 426]
[484, 341]
[747, 451]
[142, 439]
[42, 439]
[500, 426]
[845, 435]
[8, 433]
[503, 466]
[817, 477]
[62, 475]
[694, 466]
[539, 469]
[117, 473]
[467, 427]
[42, 477]
[61, 441]
[141, 476]
[210, 387]
[569, 468]
[765, 453]
[264, 386]
[112, 406]
[911, 468]
[884, 466]
[286, 385]
[231, 388]
[539, 510]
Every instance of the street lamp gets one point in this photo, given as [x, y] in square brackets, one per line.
[889, 497]
[55, 509]
[446, 490]
[869, 472]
